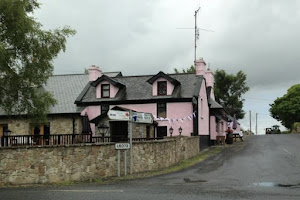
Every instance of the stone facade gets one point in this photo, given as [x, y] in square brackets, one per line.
[32, 165]
[59, 124]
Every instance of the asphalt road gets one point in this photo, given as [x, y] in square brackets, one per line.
[261, 167]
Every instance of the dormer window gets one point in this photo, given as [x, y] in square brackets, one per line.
[105, 91]
[162, 88]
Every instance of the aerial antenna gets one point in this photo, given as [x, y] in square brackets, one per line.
[197, 32]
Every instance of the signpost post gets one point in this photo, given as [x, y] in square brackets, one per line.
[137, 117]
[119, 147]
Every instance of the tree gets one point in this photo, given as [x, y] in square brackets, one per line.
[287, 108]
[229, 89]
[26, 54]
[188, 70]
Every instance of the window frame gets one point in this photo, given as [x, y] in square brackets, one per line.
[162, 84]
[105, 90]
[159, 107]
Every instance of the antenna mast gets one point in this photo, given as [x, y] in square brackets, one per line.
[196, 33]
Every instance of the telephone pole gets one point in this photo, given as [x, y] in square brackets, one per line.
[250, 121]
[256, 124]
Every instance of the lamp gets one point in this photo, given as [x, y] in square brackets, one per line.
[171, 131]
[103, 128]
[180, 130]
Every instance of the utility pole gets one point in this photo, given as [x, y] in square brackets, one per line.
[256, 124]
[250, 121]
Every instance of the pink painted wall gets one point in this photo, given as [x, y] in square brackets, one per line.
[92, 112]
[174, 111]
[113, 90]
[170, 87]
[203, 111]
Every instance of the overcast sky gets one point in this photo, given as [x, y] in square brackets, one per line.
[259, 37]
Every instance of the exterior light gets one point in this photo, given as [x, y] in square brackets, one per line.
[171, 131]
[180, 130]
[103, 128]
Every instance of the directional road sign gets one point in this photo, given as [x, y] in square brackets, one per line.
[118, 115]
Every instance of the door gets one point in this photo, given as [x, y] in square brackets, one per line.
[118, 131]
[161, 131]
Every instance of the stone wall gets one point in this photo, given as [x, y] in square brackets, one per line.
[59, 124]
[39, 165]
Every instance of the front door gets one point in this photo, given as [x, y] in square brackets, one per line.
[118, 131]
[162, 131]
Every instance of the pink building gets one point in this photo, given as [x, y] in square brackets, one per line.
[176, 101]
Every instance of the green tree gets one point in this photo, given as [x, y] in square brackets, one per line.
[26, 55]
[229, 89]
[188, 70]
[287, 108]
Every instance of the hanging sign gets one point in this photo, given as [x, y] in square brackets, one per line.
[139, 117]
[118, 115]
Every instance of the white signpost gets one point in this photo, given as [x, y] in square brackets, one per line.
[122, 146]
[137, 117]
[118, 115]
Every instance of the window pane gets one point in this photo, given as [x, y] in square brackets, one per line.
[162, 88]
[161, 110]
[105, 93]
[105, 87]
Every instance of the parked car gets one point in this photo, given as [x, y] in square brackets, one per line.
[273, 130]
[268, 131]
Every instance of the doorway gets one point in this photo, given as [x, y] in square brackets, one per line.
[118, 131]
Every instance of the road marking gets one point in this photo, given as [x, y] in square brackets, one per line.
[286, 151]
[104, 191]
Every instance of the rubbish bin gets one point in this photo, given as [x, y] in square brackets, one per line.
[229, 138]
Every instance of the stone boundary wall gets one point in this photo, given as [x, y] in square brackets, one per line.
[56, 164]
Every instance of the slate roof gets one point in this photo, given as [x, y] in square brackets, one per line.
[66, 89]
[137, 88]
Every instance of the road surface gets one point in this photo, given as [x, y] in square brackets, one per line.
[261, 167]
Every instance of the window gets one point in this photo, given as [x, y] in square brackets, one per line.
[162, 88]
[161, 110]
[3, 127]
[105, 91]
[104, 108]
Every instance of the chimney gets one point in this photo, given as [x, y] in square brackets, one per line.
[209, 77]
[200, 66]
[94, 72]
